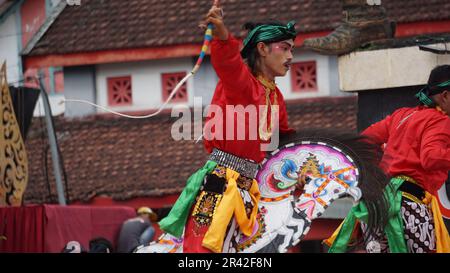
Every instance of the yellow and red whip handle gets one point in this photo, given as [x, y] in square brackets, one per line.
[206, 42]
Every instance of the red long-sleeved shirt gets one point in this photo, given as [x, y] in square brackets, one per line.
[417, 145]
[238, 86]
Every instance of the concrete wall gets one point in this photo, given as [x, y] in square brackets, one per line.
[205, 81]
[388, 68]
[10, 46]
[334, 79]
[79, 83]
[145, 81]
[147, 86]
[55, 104]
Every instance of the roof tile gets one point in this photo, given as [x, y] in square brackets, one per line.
[116, 24]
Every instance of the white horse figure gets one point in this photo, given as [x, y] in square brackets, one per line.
[282, 221]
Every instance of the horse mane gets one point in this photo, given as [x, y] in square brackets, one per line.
[373, 180]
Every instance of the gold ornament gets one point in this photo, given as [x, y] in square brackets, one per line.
[265, 131]
[13, 157]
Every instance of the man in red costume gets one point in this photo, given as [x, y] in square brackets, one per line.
[225, 188]
[417, 155]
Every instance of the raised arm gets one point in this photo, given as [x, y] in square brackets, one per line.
[226, 59]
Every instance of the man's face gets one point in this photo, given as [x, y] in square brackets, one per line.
[279, 58]
[445, 102]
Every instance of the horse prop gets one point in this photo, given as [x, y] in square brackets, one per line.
[333, 167]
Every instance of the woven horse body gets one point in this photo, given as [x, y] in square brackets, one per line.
[334, 167]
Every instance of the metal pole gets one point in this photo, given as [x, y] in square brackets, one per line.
[52, 143]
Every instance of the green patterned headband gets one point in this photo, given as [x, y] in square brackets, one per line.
[424, 94]
[266, 33]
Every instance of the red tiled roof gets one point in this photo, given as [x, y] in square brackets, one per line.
[116, 24]
[125, 158]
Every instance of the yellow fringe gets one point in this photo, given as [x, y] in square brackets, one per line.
[231, 204]
[440, 230]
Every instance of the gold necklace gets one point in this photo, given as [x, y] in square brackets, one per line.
[440, 110]
[269, 86]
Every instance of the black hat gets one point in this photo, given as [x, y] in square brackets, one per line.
[100, 245]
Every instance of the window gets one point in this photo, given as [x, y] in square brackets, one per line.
[304, 77]
[119, 91]
[169, 81]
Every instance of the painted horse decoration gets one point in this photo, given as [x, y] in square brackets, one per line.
[333, 168]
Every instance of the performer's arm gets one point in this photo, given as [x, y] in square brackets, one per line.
[228, 63]
[231, 69]
[379, 132]
[435, 146]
